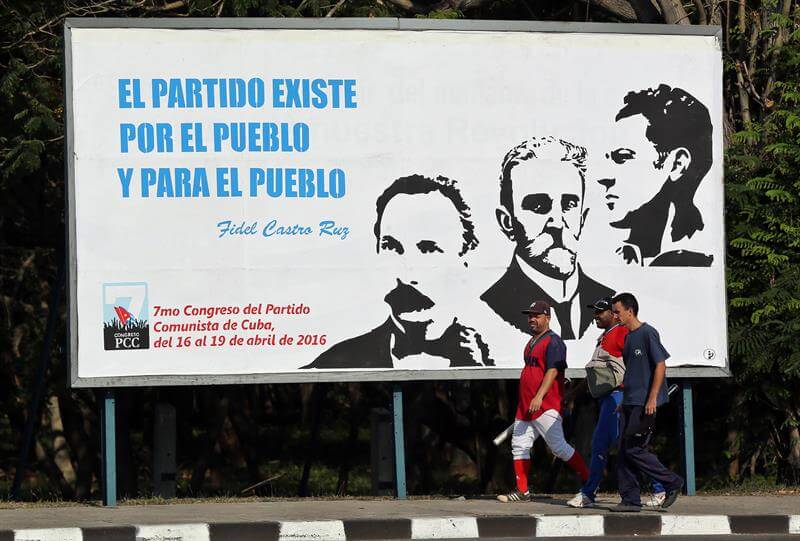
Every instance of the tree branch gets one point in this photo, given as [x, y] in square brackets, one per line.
[646, 12]
[715, 12]
[621, 9]
[780, 39]
[673, 12]
[407, 5]
[171, 5]
[701, 12]
[333, 10]
[741, 89]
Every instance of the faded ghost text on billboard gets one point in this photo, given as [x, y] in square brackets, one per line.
[284, 204]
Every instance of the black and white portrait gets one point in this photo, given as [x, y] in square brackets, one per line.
[584, 160]
[659, 151]
[542, 211]
[417, 326]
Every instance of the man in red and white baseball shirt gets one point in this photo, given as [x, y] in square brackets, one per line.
[541, 388]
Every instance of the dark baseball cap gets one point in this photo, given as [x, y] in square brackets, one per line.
[538, 307]
[601, 305]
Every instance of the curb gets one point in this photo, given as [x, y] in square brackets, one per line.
[520, 526]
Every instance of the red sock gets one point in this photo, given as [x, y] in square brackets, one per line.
[578, 466]
[521, 473]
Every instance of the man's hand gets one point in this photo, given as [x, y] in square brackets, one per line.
[462, 345]
[468, 341]
[536, 404]
[650, 407]
[630, 254]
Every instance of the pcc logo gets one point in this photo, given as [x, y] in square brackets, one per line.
[125, 316]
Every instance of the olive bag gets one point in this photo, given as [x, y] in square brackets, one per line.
[604, 373]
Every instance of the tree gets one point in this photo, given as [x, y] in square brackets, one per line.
[763, 189]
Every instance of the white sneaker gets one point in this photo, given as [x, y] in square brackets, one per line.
[655, 500]
[580, 500]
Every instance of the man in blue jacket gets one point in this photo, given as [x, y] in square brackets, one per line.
[644, 390]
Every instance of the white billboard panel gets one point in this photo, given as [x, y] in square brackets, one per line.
[267, 204]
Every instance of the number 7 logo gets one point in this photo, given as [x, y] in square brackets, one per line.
[125, 316]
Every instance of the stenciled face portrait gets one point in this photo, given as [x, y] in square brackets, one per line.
[420, 236]
[547, 196]
[628, 169]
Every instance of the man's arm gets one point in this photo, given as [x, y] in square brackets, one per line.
[658, 380]
[547, 382]
[655, 351]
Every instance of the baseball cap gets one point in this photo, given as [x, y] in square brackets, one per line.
[601, 305]
[538, 307]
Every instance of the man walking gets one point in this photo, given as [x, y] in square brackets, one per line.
[541, 388]
[644, 390]
[608, 356]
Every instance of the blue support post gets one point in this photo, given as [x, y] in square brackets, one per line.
[688, 437]
[108, 443]
[399, 444]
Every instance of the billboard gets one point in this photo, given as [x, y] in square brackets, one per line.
[261, 200]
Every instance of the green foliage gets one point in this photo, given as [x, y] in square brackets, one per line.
[447, 13]
[763, 187]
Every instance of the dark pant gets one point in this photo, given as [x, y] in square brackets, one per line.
[635, 457]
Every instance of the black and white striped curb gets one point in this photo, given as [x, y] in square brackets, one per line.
[427, 528]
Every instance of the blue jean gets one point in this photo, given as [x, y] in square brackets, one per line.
[606, 434]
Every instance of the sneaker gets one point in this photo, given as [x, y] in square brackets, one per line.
[670, 497]
[515, 496]
[625, 507]
[656, 500]
[581, 500]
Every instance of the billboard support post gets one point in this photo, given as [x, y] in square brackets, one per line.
[109, 449]
[399, 443]
[687, 431]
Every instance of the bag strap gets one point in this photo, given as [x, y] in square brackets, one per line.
[605, 332]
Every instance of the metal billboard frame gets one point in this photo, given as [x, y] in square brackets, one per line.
[685, 371]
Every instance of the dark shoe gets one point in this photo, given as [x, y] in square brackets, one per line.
[672, 495]
[625, 507]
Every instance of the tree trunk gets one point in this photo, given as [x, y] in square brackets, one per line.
[61, 455]
[732, 443]
[794, 447]
[646, 12]
[79, 422]
[780, 39]
[701, 12]
[356, 408]
[215, 410]
[318, 395]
